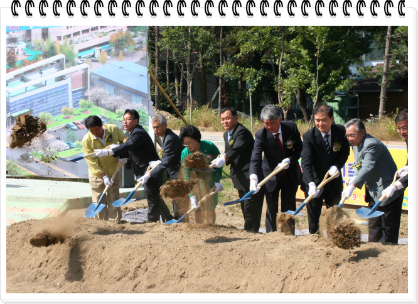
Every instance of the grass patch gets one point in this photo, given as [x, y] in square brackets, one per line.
[70, 152]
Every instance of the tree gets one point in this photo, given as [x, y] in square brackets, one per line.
[78, 145]
[36, 43]
[12, 168]
[68, 51]
[70, 135]
[85, 104]
[57, 47]
[156, 65]
[47, 117]
[121, 40]
[119, 113]
[97, 95]
[120, 58]
[11, 59]
[115, 102]
[67, 111]
[50, 51]
[103, 58]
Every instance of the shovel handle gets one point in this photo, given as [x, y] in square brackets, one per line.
[120, 165]
[89, 155]
[207, 196]
[275, 171]
[148, 171]
[327, 180]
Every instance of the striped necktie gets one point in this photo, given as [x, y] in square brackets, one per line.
[229, 136]
[327, 144]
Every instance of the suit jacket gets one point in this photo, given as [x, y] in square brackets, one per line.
[239, 154]
[377, 168]
[404, 180]
[266, 142]
[140, 148]
[170, 159]
[315, 159]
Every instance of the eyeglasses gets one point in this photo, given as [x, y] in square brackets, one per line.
[352, 135]
[188, 144]
[127, 119]
[404, 128]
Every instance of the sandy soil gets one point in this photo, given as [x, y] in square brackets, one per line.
[97, 256]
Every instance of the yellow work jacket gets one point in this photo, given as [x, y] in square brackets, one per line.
[105, 164]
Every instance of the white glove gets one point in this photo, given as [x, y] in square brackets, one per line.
[389, 191]
[348, 191]
[101, 152]
[219, 161]
[193, 202]
[107, 181]
[143, 179]
[398, 185]
[313, 190]
[112, 146]
[349, 180]
[402, 172]
[154, 163]
[285, 161]
[333, 170]
[219, 186]
[253, 186]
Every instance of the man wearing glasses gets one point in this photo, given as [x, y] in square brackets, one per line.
[401, 121]
[140, 148]
[375, 170]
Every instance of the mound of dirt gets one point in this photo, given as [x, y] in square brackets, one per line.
[345, 235]
[177, 188]
[286, 223]
[26, 129]
[195, 160]
[105, 257]
[166, 114]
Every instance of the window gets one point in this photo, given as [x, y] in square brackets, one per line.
[110, 89]
[59, 38]
[67, 36]
[95, 28]
[85, 31]
[102, 27]
[76, 34]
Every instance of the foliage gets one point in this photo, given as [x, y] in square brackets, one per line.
[57, 47]
[119, 113]
[115, 102]
[143, 118]
[68, 51]
[121, 40]
[85, 104]
[103, 58]
[47, 155]
[11, 59]
[78, 144]
[120, 58]
[67, 111]
[14, 169]
[50, 51]
[97, 95]
[47, 117]
[70, 135]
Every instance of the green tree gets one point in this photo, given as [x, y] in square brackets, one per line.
[78, 145]
[103, 58]
[12, 168]
[70, 135]
[121, 40]
[11, 59]
[119, 113]
[68, 51]
[47, 117]
[85, 104]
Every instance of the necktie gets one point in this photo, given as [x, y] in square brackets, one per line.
[327, 144]
[229, 136]
[281, 149]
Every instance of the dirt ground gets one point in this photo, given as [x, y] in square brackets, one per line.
[104, 257]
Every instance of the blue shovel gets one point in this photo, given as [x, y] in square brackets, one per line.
[75, 160]
[205, 198]
[123, 201]
[364, 212]
[261, 184]
[95, 208]
[307, 200]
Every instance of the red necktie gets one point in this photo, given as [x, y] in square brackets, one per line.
[281, 149]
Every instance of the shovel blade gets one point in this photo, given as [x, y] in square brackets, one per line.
[364, 212]
[233, 202]
[93, 209]
[293, 213]
[172, 222]
[122, 201]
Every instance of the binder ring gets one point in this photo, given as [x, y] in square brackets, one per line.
[332, 4]
[125, 3]
[42, 4]
[110, 6]
[152, 5]
[360, 4]
[234, 7]
[70, 4]
[180, 5]
[290, 4]
[193, 8]
[277, 3]
[28, 5]
[208, 3]
[305, 3]
[97, 4]
[347, 3]
[250, 4]
[263, 4]
[222, 4]
[318, 4]
[167, 3]
[15, 4]
[388, 3]
[83, 4]
[401, 5]
[139, 4]
[373, 5]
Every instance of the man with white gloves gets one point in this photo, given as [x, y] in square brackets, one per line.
[281, 144]
[325, 149]
[375, 170]
[239, 144]
[102, 136]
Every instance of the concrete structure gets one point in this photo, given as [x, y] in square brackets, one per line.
[122, 78]
[45, 86]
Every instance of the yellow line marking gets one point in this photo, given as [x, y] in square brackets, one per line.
[24, 169]
[55, 168]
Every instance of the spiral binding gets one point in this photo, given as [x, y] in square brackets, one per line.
[222, 5]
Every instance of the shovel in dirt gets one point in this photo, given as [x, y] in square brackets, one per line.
[95, 208]
[75, 160]
[205, 198]
[364, 212]
[123, 201]
[309, 198]
[247, 195]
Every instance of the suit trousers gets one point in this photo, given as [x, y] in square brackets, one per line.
[97, 187]
[388, 224]
[287, 190]
[251, 209]
[314, 207]
[156, 205]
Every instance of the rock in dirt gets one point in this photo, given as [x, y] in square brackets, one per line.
[26, 129]
[286, 223]
[46, 239]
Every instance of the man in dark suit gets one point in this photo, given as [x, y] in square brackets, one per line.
[239, 143]
[170, 153]
[280, 141]
[325, 149]
[140, 147]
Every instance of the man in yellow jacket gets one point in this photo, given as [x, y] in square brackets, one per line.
[101, 169]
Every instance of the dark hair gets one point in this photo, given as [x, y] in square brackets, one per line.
[93, 121]
[133, 113]
[402, 115]
[322, 107]
[231, 109]
[190, 131]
